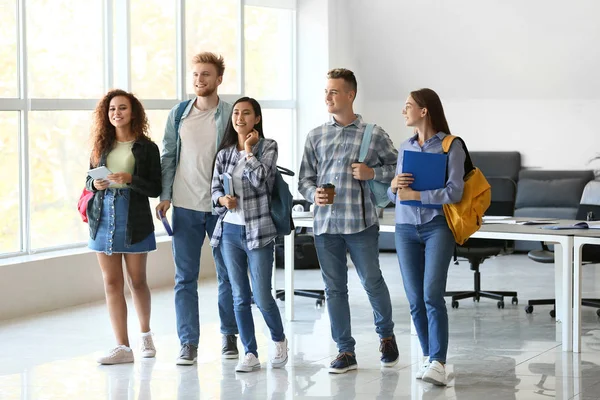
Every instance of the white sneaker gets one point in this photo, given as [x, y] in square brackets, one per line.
[248, 364]
[436, 374]
[147, 346]
[281, 354]
[422, 369]
[119, 355]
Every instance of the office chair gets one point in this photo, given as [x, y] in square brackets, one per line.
[476, 251]
[589, 210]
[305, 256]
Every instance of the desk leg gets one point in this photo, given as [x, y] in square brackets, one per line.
[567, 293]
[274, 277]
[558, 281]
[288, 250]
[577, 259]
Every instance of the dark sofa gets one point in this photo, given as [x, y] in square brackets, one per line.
[549, 194]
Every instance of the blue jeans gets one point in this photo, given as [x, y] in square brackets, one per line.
[189, 230]
[364, 252]
[424, 253]
[239, 259]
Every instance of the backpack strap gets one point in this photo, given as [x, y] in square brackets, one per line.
[364, 149]
[366, 141]
[447, 142]
[180, 110]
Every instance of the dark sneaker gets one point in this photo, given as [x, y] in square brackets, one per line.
[389, 351]
[343, 363]
[187, 354]
[229, 349]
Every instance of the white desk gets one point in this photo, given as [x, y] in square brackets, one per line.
[563, 263]
[590, 236]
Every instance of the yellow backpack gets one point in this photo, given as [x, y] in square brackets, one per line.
[465, 217]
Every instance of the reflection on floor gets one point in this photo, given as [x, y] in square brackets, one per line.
[494, 354]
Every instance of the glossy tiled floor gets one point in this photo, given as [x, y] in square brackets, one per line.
[494, 354]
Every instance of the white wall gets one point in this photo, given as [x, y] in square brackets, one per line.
[512, 74]
[48, 282]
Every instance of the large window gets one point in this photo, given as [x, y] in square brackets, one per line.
[9, 184]
[268, 52]
[277, 124]
[8, 49]
[213, 25]
[57, 168]
[64, 49]
[153, 50]
[59, 57]
[158, 120]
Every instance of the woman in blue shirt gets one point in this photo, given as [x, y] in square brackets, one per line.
[424, 242]
[245, 231]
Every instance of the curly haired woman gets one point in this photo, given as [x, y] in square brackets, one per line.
[119, 216]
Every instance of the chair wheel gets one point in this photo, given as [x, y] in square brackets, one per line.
[553, 313]
[598, 312]
[455, 304]
[476, 298]
[319, 303]
[501, 304]
[515, 300]
[528, 309]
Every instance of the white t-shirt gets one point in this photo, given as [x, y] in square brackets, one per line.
[237, 216]
[193, 177]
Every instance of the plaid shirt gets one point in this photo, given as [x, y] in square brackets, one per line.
[329, 152]
[258, 175]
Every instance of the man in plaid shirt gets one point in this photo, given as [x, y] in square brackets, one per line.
[349, 224]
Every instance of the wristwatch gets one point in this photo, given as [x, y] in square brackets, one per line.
[248, 155]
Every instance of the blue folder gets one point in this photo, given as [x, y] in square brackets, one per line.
[429, 172]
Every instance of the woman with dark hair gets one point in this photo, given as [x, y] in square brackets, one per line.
[424, 242]
[119, 216]
[245, 230]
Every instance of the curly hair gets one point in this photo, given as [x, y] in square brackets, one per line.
[104, 133]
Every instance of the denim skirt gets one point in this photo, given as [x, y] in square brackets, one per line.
[112, 228]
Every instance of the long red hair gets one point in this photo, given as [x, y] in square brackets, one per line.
[104, 133]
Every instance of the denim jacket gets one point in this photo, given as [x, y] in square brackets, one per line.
[169, 158]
